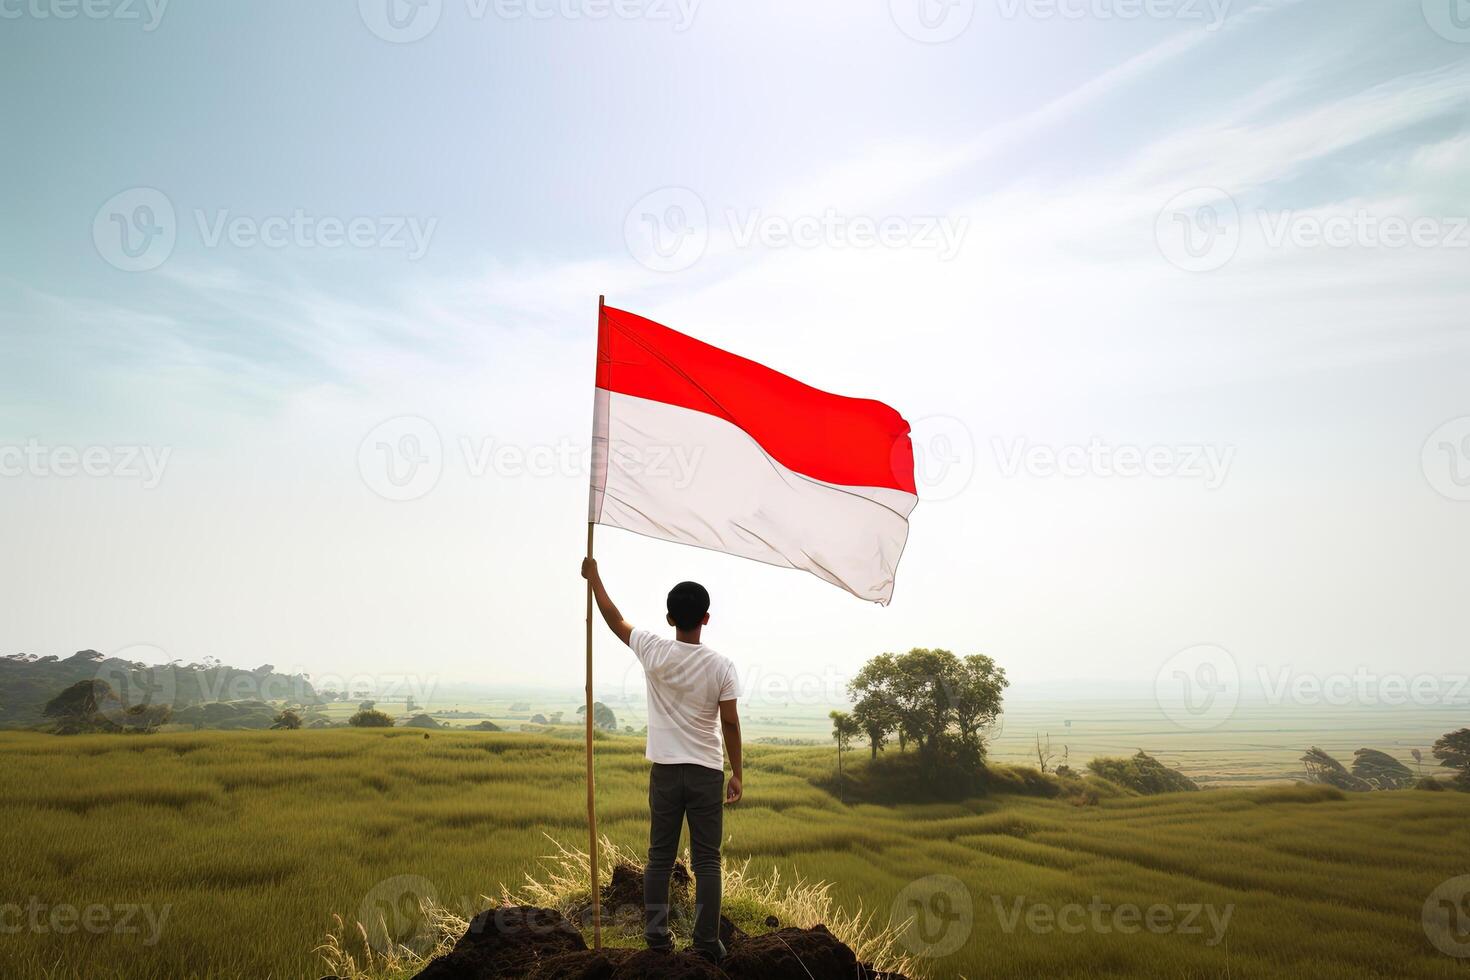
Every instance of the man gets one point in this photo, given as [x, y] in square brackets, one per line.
[691, 700]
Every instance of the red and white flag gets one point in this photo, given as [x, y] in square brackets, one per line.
[693, 444]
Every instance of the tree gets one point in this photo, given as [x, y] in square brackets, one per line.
[93, 706]
[1323, 768]
[146, 718]
[370, 718]
[1143, 773]
[1381, 770]
[944, 704]
[288, 720]
[978, 687]
[83, 703]
[1453, 751]
[367, 706]
[1044, 753]
[602, 716]
[844, 729]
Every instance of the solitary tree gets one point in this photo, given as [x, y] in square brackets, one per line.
[844, 729]
[371, 719]
[1453, 751]
[82, 704]
[602, 716]
[288, 720]
[1044, 753]
[946, 705]
[1323, 768]
[1381, 770]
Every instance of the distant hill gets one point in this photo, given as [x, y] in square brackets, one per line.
[27, 682]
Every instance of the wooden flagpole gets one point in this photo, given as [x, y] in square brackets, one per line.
[591, 797]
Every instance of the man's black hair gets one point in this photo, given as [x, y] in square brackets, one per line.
[688, 602]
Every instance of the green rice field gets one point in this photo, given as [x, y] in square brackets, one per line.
[225, 854]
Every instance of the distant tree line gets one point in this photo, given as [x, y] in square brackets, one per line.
[1372, 769]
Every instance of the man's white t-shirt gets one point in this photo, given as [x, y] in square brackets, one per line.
[686, 683]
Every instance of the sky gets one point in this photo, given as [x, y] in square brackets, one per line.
[297, 323]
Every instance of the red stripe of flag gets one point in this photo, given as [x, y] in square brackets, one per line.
[855, 442]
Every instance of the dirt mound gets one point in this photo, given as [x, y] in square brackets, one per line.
[526, 943]
[624, 890]
[510, 942]
[795, 954]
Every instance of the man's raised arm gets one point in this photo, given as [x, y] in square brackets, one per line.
[615, 620]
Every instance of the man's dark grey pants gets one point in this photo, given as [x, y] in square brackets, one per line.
[674, 793]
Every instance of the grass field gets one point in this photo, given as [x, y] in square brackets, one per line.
[241, 845]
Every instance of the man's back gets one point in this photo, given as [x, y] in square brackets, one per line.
[686, 683]
[691, 704]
